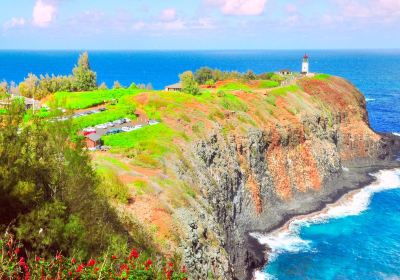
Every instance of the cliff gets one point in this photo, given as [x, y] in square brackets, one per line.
[241, 162]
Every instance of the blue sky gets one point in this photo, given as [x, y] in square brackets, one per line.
[199, 24]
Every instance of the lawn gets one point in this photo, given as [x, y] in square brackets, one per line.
[235, 86]
[322, 77]
[268, 84]
[83, 100]
[284, 90]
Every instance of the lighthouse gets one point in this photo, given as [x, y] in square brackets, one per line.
[305, 65]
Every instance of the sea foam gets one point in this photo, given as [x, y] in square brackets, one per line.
[288, 240]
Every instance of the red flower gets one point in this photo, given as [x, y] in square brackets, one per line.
[17, 250]
[169, 274]
[147, 264]
[184, 270]
[59, 257]
[113, 257]
[21, 261]
[80, 268]
[69, 273]
[134, 254]
[73, 261]
[96, 269]
[91, 262]
[170, 264]
[37, 259]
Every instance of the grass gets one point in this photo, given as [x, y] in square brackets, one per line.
[268, 84]
[111, 186]
[234, 86]
[322, 77]
[271, 100]
[145, 146]
[141, 187]
[83, 100]
[283, 91]
[232, 102]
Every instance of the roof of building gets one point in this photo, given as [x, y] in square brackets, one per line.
[285, 70]
[305, 56]
[94, 137]
[177, 86]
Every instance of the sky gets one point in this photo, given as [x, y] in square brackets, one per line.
[199, 24]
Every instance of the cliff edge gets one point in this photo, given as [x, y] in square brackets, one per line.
[242, 161]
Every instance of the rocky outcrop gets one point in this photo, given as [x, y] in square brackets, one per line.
[254, 181]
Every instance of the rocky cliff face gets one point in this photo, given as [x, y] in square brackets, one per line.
[254, 179]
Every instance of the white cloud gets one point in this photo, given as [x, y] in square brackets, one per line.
[239, 7]
[168, 14]
[14, 22]
[44, 12]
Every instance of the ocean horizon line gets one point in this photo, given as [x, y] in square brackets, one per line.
[200, 50]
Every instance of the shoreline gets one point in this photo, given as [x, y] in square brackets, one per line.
[366, 175]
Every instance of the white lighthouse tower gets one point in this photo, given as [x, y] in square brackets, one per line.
[305, 65]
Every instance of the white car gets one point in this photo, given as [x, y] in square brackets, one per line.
[109, 124]
[89, 129]
[101, 126]
[153, 122]
[118, 122]
[139, 126]
[127, 129]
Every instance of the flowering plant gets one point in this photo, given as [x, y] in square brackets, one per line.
[14, 264]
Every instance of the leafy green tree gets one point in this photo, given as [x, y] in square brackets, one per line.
[203, 74]
[85, 78]
[29, 87]
[48, 188]
[189, 85]
[3, 89]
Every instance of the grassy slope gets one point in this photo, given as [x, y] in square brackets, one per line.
[141, 163]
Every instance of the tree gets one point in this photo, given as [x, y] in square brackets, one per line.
[103, 86]
[116, 85]
[85, 78]
[48, 188]
[189, 85]
[149, 86]
[3, 89]
[250, 76]
[29, 86]
[203, 74]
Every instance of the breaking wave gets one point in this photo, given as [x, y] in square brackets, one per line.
[288, 240]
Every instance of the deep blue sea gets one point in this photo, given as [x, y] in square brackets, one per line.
[359, 239]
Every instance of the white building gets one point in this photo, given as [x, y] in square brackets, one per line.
[305, 70]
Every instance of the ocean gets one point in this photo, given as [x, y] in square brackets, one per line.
[357, 239]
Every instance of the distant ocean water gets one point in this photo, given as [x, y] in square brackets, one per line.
[358, 240]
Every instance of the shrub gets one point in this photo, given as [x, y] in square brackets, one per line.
[135, 265]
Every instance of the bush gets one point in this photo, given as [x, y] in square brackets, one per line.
[133, 265]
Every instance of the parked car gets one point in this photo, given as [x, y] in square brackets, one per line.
[126, 120]
[118, 122]
[139, 126]
[102, 109]
[104, 148]
[101, 126]
[109, 124]
[153, 122]
[113, 131]
[127, 129]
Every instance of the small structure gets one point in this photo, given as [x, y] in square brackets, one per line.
[305, 65]
[93, 140]
[31, 103]
[174, 87]
[285, 72]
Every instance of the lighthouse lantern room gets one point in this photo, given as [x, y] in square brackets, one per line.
[305, 65]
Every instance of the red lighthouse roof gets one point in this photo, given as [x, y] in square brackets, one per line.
[305, 56]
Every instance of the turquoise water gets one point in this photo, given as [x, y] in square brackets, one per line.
[356, 239]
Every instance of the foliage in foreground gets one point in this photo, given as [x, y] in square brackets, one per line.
[14, 264]
[48, 190]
